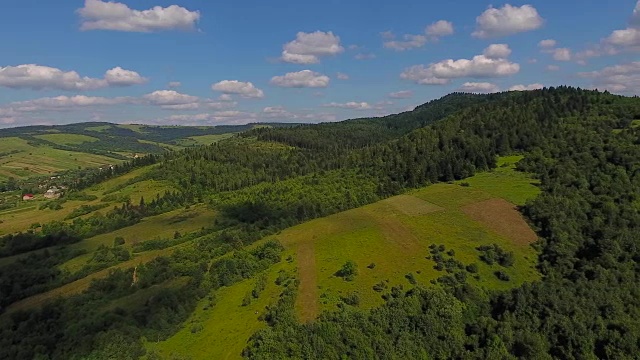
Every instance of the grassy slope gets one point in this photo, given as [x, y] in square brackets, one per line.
[227, 325]
[155, 227]
[394, 234]
[383, 233]
[42, 160]
[67, 139]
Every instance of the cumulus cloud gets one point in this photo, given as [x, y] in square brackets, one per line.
[307, 48]
[629, 37]
[342, 76]
[352, 105]
[480, 66]
[440, 28]
[364, 56]
[619, 41]
[623, 78]
[165, 99]
[244, 89]
[404, 94]
[100, 15]
[170, 97]
[121, 77]
[497, 51]
[174, 84]
[526, 87]
[38, 77]
[479, 87]
[562, 54]
[553, 67]
[300, 79]
[409, 42]
[507, 20]
[547, 43]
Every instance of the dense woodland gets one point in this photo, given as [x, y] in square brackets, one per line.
[579, 143]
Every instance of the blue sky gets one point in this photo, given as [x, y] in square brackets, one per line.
[205, 63]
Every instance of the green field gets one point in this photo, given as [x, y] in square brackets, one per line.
[202, 139]
[67, 139]
[19, 159]
[394, 234]
[221, 331]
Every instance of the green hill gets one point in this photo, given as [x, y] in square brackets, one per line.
[477, 226]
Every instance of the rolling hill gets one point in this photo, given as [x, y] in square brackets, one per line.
[476, 226]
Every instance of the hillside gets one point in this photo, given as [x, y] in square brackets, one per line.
[47, 150]
[476, 226]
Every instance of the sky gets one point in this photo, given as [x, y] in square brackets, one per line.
[188, 62]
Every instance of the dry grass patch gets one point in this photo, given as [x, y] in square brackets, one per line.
[502, 217]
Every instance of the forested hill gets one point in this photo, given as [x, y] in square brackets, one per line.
[583, 146]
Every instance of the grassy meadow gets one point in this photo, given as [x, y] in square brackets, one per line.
[19, 159]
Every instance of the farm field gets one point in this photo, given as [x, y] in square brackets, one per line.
[203, 139]
[19, 159]
[66, 139]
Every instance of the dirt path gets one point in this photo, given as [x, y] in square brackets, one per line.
[502, 217]
[307, 300]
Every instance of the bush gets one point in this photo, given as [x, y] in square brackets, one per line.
[118, 241]
[352, 299]
[472, 268]
[502, 275]
[348, 271]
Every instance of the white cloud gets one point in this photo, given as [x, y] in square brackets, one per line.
[38, 77]
[121, 77]
[562, 54]
[307, 48]
[409, 42]
[225, 97]
[174, 84]
[553, 67]
[440, 28]
[507, 20]
[480, 66]
[479, 87]
[170, 97]
[497, 51]
[342, 76]
[100, 15]
[526, 87]
[404, 94]
[422, 75]
[547, 43]
[244, 89]
[624, 78]
[352, 105]
[629, 37]
[300, 79]
[364, 56]
[64, 103]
